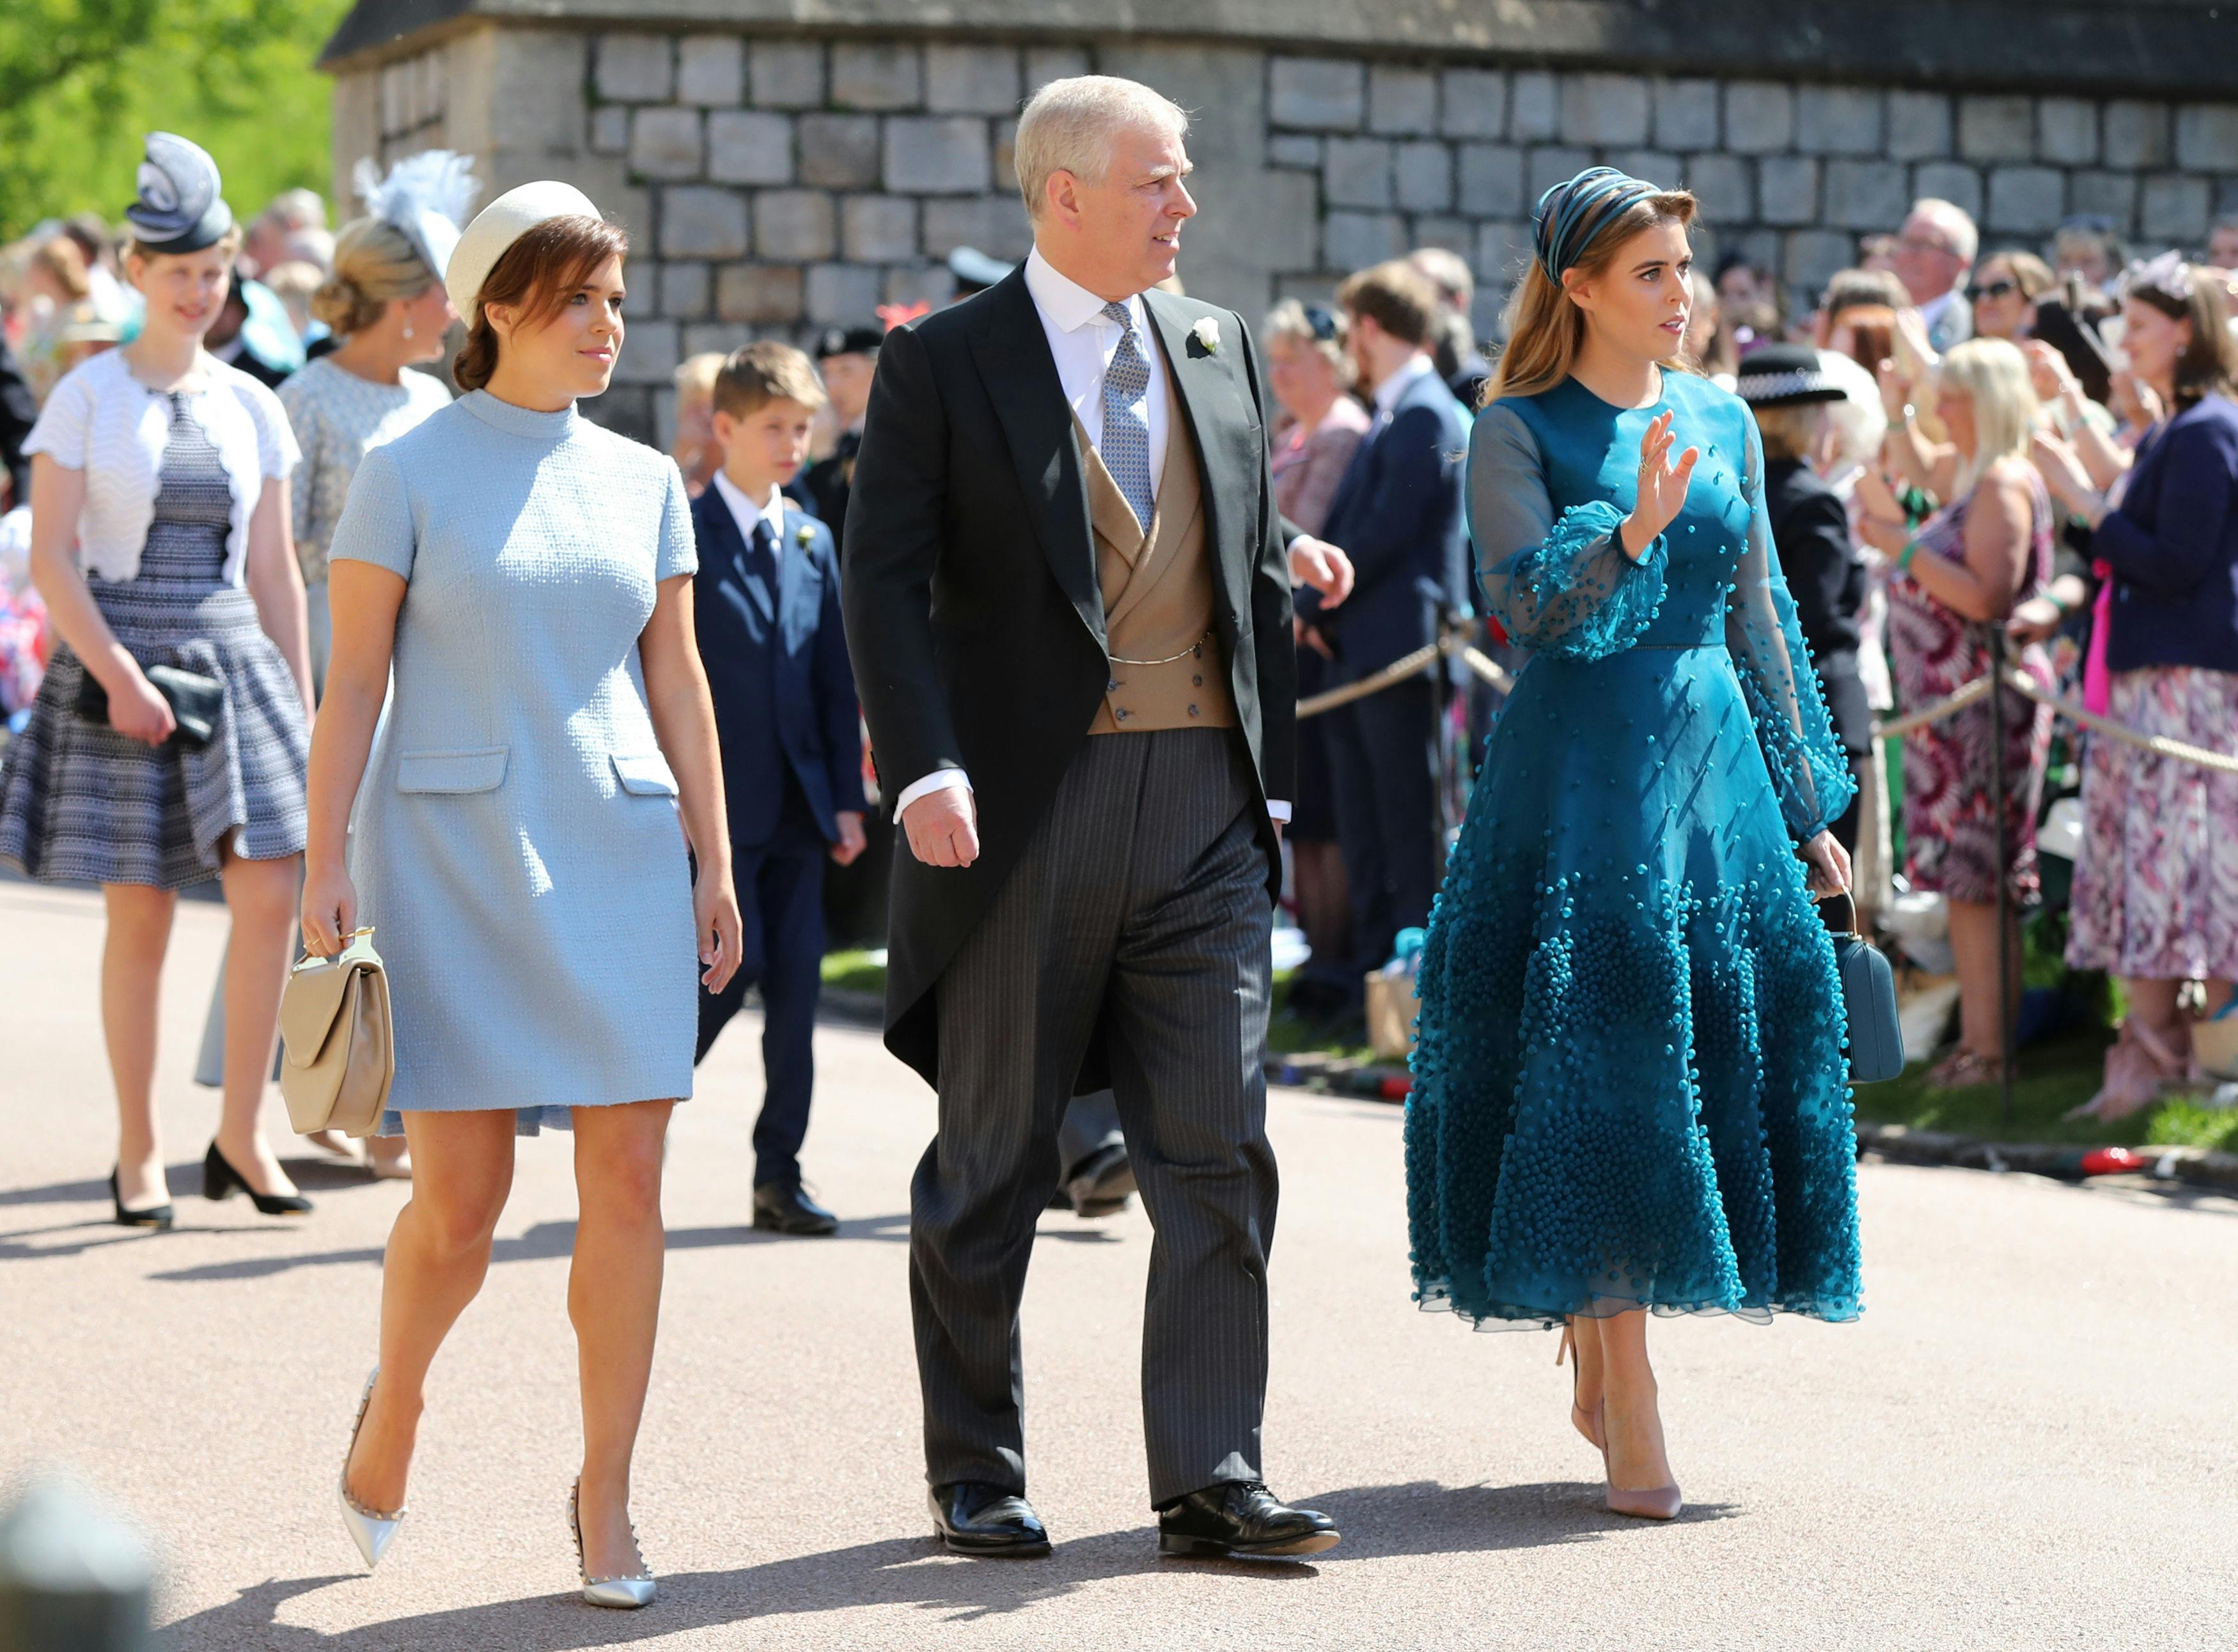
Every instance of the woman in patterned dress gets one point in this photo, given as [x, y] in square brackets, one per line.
[1987, 550]
[159, 505]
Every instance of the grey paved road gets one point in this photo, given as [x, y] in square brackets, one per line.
[2025, 1444]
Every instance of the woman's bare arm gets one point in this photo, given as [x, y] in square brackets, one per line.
[365, 600]
[275, 582]
[57, 496]
[683, 721]
[1985, 583]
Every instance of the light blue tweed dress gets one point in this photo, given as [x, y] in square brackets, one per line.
[516, 843]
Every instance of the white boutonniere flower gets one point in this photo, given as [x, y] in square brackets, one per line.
[1206, 334]
[803, 535]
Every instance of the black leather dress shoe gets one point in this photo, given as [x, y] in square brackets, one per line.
[1100, 1184]
[1241, 1518]
[972, 1517]
[782, 1207]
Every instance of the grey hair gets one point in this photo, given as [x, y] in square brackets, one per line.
[1954, 222]
[1066, 126]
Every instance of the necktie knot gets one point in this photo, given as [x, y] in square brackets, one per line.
[1117, 311]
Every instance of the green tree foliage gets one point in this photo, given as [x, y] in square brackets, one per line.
[81, 80]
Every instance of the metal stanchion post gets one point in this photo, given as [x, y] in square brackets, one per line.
[2005, 1029]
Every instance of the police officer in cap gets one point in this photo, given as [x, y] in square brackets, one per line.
[846, 357]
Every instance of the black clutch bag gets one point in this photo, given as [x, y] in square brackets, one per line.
[1868, 998]
[195, 701]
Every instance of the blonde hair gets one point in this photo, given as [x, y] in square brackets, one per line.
[1288, 319]
[1067, 126]
[63, 263]
[1545, 330]
[1793, 431]
[228, 246]
[1993, 375]
[695, 379]
[374, 262]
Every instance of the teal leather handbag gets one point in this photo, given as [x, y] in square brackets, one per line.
[1868, 997]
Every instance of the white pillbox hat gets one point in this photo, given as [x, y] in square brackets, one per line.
[499, 224]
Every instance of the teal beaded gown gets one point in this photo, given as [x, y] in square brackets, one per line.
[1629, 1085]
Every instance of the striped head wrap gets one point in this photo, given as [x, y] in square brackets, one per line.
[1571, 215]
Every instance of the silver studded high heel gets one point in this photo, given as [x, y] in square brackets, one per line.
[623, 1594]
[371, 1531]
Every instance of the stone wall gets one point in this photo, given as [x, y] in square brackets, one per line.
[775, 183]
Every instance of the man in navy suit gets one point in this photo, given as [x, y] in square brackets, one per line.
[1397, 514]
[767, 607]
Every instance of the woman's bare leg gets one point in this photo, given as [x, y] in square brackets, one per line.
[1585, 1351]
[1636, 1458]
[1974, 952]
[438, 1254]
[613, 1297]
[131, 979]
[262, 897]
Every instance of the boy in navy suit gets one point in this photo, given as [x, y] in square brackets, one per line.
[767, 602]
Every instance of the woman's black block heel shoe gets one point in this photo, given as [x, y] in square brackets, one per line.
[158, 1217]
[219, 1178]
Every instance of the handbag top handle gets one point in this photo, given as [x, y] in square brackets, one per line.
[1847, 912]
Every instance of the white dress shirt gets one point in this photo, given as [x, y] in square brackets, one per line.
[1388, 392]
[1082, 340]
[745, 512]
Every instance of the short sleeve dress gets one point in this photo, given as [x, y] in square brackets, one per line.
[516, 844]
[1629, 1086]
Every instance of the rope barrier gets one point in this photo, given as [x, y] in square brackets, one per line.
[1450, 645]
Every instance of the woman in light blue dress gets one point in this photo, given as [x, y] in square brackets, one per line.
[1630, 1092]
[518, 842]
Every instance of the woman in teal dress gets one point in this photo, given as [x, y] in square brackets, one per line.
[1630, 1092]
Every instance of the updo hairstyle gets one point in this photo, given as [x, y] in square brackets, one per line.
[375, 264]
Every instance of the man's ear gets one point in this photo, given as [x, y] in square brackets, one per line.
[1062, 195]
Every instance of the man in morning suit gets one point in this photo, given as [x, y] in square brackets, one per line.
[1068, 603]
[766, 606]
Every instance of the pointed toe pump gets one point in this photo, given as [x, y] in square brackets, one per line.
[622, 1594]
[370, 1530]
[1656, 1502]
[221, 1181]
[158, 1217]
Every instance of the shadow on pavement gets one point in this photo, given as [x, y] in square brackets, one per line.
[1424, 1517]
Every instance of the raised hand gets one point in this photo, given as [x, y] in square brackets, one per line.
[1662, 487]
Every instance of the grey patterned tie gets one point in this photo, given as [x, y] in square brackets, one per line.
[1126, 447]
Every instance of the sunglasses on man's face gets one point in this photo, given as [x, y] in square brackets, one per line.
[1981, 290]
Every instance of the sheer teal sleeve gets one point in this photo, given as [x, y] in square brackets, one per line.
[1809, 772]
[1561, 585]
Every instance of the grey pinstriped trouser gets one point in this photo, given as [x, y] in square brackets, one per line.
[1141, 898]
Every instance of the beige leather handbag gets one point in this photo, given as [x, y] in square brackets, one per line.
[341, 1053]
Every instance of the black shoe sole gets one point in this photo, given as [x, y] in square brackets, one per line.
[977, 1550]
[1176, 1544]
[771, 1225]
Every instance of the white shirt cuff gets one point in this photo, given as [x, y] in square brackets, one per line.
[938, 780]
[1279, 813]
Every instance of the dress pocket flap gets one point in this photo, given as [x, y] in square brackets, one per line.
[646, 774]
[480, 770]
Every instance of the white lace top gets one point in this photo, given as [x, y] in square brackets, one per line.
[339, 419]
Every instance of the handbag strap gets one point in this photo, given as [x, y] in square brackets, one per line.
[1847, 912]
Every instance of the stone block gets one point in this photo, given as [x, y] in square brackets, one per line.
[1422, 174]
[627, 410]
[636, 69]
[2111, 196]
[936, 154]
[666, 143]
[1402, 103]
[1547, 167]
[610, 128]
[758, 292]
[2136, 134]
[1295, 149]
[795, 225]
[1809, 257]
[1787, 189]
[710, 70]
[1866, 195]
[1473, 102]
[1491, 179]
[1602, 109]
[878, 230]
[1948, 180]
[650, 353]
[716, 337]
[518, 89]
[1725, 185]
[2026, 200]
[922, 283]
[749, 146]
[875, 75]
[686, 290]
[1487, 317]
[2067, 130]
[1533, 110]
[839, 151]
[842, 294]
[1760, 117]
[2207, 136]
[1918, 126]
[2174, 210]
[1839, 119]
[1317, 93]
[786, 74]
[995, 224]
[1999, 127]
[1656, 166]
[1356, 172]
[1686, 114]
[697, 221]
[1434, 229]
[1503, 253]
[1046, 63]
[1353, 241]
[1005, 138]
[971, 80]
